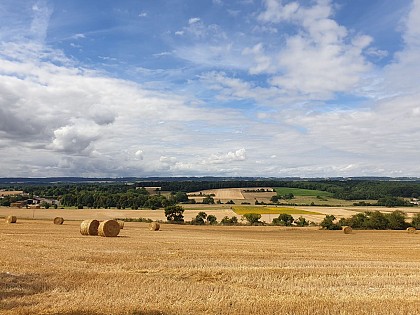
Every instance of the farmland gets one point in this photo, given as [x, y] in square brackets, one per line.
[241, 210]
[51, 269]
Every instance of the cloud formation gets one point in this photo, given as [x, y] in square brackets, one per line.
[297, 94]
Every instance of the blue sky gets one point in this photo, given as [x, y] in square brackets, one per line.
[216, 87]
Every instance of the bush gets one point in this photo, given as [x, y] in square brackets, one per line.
[229, 221]
[253, 218]
[392, 202]
[212, 219]
[208, 200]
[415, 222]
[396, 220]
[283, 219]
[328, 223]
[301, 221]
[376, 220]
[199, 219]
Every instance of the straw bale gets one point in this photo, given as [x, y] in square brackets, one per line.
[121, 223]
[154, 226]
[58, 220]
[347, 230]
[109, 228]
[411, 229]
[11, 219]
[89, 227]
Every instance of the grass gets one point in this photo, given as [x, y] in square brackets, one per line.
[281, 191]
[241, 210]
[207, 270]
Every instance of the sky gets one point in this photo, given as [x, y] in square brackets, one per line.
[271, 88]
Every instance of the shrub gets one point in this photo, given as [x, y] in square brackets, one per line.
[283, 219]
[396, 220]
[376, 221]
[415, 222]
[253, 218]
[212, 219]
[301, 221]
[229, 221]
[328, 223]
[199, 219]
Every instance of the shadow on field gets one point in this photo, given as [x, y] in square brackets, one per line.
[15, 286]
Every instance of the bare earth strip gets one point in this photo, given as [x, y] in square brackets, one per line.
[53, 269]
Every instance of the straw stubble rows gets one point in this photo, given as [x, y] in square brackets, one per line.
[50, 269]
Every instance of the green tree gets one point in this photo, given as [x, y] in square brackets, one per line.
[181, 196]
[212, 219]
[229, 221]
[415, 222]
[288, 196]
[301, 221]
[208, 200]
[328, 223]
[274, 199]
[174, 213]
[253, 218]
[376, 220]
[199, 219]
[396, 220]
[283, 219]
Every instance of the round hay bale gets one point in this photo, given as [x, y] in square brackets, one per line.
[89, 227]
[121, 223]
[347, 230]
[11, 219]
[411, 229]
[109, 228]
[58, 220]
[154, 226]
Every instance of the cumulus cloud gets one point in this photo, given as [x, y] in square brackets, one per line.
[321, 59]
[58, 117]
[75, 139]
[238, 155]
[193, 20]
[139, 154]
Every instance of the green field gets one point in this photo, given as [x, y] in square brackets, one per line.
[241, 210]
[302, 192]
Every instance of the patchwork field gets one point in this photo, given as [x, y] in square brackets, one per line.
[53, 269]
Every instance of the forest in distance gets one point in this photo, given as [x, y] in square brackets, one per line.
[106, 194]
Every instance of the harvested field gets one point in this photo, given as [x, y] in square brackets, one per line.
[207, 270]
[222, 194]
[10, 192]
[241, 210]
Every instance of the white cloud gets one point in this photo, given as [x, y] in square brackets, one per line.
[320, 60]
[231, 156]
[59, 118]
[139, 154]
[75, 139]
[193, 20]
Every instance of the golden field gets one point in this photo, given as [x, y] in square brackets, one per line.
[182, 269]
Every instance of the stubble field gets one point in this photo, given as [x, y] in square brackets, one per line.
[52, 269]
